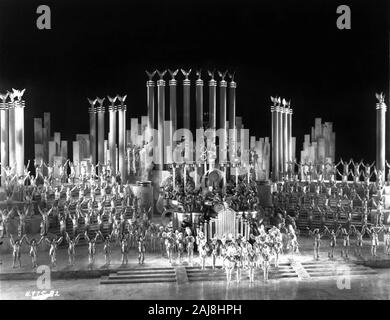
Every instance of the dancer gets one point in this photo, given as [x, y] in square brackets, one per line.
[203, 250]
[190, 240]
[33, 249]
[266, 261]
[107, 246]
[317, 235]
[333, 240]
[71, 247]
[359, 239]
[124, 248]
[374, 235]
[251, 264]
[346, 243]
[141, 249]
[16, 246]
[54, 243]
[386, 239]
[91, 247]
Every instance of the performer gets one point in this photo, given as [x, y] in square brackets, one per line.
[203, 249]
[5, 213]
[317, 235]
[54, 243]
[190, 240]
[346, 243]
[107, 246]
[33, 249]
[374, 235]
[215, 247]
[22, 220]
[266, 261]
[333, 240]
[124, 248]
[292, 241]
[16, 246]
[386, 239]
[141, 249]
[91, 247]
[251, 264]
[359, 239]
[71, 247]
[180, 246]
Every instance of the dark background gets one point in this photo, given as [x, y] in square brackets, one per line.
[287, 48]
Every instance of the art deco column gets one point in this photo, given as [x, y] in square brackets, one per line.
[19, 132]
[275, 140]
[122, 136]
[222, 117]
[4, 132]
[100, 110]
[186, 100]
[112, 109]
[380, 132]
[150, 101]
[161, 118]
[285, 136]
[212, 101]
[280, 136]
[11, 130]
[199, 101]
[232, 112]
[92, 129]
[289, 134]
[173, 100]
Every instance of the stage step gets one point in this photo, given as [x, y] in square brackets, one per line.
[140, 275]
[335, 268]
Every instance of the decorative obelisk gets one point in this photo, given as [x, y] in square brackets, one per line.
[199, 100]
[112, 109]
[4, 132]
[186, 100]
[11, 129]
[150, 84]
[161, 117]
[380, 133]
[92, 129]
[100, 110]
[275, 139]
[122, 136]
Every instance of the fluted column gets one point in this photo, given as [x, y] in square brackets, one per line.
[150, 84]
[161, 118]
[380, 133]
[280, 140]
[92, 129]
[101, 110]
[19, 136]
[290, 157]
[186, 100]
[275, 142]
[212, 101]
[199, 101]
[222, 117]
[4, 132]
[285, 138]
[11, 132]
[173, 100]
[232, 114]
[122, 137]
[112, 136]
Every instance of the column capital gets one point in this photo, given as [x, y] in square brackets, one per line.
[232, 84]
[223, 83]
[160, 83]
[212, 83]
[381, 105]
[273, 108]
[122, 107]
[186, 82]
[101, 109]
[20, 104]
[150, 83]
[199, 82]
[172, 82]
[113, 108]
[4, 106]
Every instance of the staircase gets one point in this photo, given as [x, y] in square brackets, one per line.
[141, 275]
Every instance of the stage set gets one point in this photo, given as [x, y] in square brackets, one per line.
[212, 196]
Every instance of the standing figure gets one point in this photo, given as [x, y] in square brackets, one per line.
[190, 241]
[180, 246]
[33, 249]
[386, 239]
[22, 220]
[359, 239]
[251, 264]
[71, 247]
[346, 243]
[141, 249]
[214, 250]
[91, 247]
[266, 261]
[292, 243]
[374, 235]
[169, 245]
[333, 240]
[124, 248]
[229, 261]
[203, 249]
[4, 221]
[54, 243]
[107, 246]
[317, 235]
[16, 246]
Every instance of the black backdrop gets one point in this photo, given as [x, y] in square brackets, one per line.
[287, 48]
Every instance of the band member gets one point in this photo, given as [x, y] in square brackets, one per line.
[141, 249]
[91, 247]
[359, 239]
[16, 246]
[54, 243]
[71, 247]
